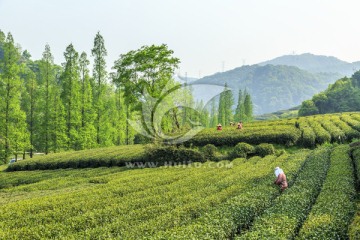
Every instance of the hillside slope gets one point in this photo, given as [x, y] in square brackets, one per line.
[342, 96]
[271, 87]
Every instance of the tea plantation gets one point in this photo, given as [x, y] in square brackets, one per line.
[207, 192]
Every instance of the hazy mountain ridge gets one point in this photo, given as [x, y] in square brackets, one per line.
[316, 63]
[272, 87]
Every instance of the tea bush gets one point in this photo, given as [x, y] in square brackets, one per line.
[242, 150]
[333, 210]
[264, 149]
[209, 151]
[285, 216]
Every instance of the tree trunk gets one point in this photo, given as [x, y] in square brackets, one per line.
[127, 124]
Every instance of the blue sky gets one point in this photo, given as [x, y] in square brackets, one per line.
[203, 33]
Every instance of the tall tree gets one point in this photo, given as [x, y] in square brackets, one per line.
[221, 109]
[149, 68]
[47, 81]
[99, 73]
[213, 113]
[88, 131]
[120, 120]
[229, 102]
[226, 102]
[58, 128]
[30, 100]
[12, 118]
[71, 96]
[2, 41]
[248, 106]
[240, 108]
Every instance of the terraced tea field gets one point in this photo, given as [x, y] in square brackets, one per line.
[230, 200]
[202, 200]
[311, 131]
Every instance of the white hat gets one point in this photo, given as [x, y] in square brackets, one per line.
[278, 170]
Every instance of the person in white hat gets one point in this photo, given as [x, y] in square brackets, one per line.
[280, 178]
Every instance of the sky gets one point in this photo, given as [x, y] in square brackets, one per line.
[208, 36]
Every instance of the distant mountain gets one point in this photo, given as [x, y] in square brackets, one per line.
[316, 64]
[272, 87]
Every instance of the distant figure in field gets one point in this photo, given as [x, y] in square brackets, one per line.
[232, 124]
[280, 179]
[239, 125]
[219, 127]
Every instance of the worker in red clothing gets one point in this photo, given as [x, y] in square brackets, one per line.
[280, 178]
[219, 127]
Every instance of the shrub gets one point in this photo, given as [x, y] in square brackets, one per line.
[322, 136]
[331, 214]
[308, 137]
[264, 149]
[290, 209]
[108, 156]
[209, 152]
[280, 152]
[141, 139]
[163, 155]
[282, 134]
[242, 150]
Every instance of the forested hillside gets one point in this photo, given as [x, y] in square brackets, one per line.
[272, 87]
[342, 96]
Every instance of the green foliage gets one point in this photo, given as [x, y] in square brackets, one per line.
[264, 149]
[99, 157]
[308, 137]
[248, 108]
[285, 216]
[226, 102]
[13, 129]
[322, 136]
[312, 131]
[244, 108]
[354, 229]
[99, 90]
[333, 210]
[101, 202]
[146, 70]
[238, 212]
[172, 154]
[242, 150]
[71, 97]
[29, 101]
[342, 96]
[308, 107]
[87, 129]
[291, 85]
[337, 135]
[209, 151]
[286, 135]
[47, 81]
[213, 114]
